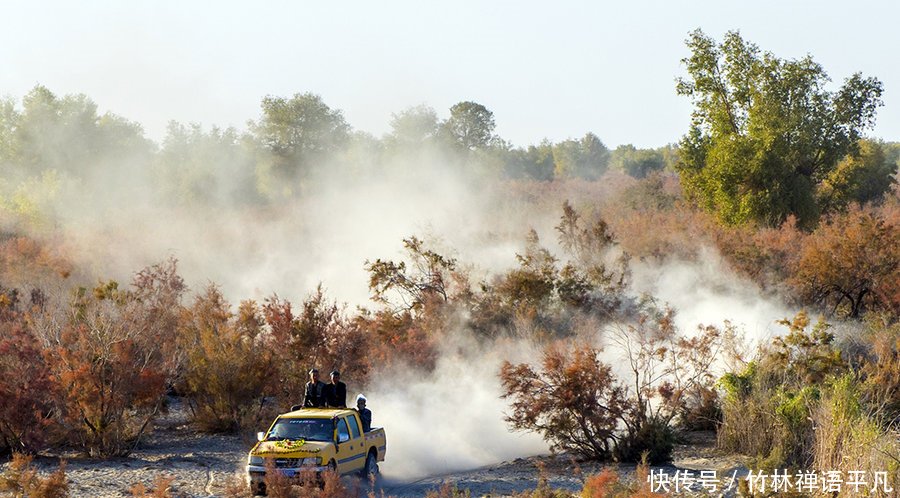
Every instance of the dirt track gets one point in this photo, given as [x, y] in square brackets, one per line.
[202, 464]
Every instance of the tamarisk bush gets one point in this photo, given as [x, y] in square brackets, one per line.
[110, 350]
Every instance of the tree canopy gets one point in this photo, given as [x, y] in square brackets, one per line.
[765, 131]
[471, 125]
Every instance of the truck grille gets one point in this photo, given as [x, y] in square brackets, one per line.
[287, 462]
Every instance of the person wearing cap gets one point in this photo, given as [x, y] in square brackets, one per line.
[365, 415]
[336, 392]
[315, 391]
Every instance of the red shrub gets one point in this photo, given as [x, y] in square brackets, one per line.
[26, 390]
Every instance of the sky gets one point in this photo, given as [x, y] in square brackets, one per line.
[552, 70]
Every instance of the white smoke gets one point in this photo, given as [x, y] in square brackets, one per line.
[452, 418]
[706, 291]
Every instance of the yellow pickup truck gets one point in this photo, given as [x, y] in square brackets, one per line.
[316, 440]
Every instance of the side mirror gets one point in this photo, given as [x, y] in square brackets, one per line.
[343, 438]
[260, 436]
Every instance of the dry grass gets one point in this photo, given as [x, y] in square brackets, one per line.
[21, 479]
[307, 485]
[849, 439]
[162, 488]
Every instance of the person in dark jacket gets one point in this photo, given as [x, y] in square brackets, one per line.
[365, 415]
[336, 392]
[315, 391]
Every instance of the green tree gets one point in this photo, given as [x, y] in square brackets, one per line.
[413, 126]
[535, 162]
[585, 158]
[765, 133]
[9, 119]
[203, 166]
[861, 177]
[635, 162]
[299, 130]
[470, 126]
[66, 134]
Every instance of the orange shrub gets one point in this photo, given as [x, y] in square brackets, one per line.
[398, 339]
[228, 370]
[110, 352]
[321, 336]
[851, 264]
[22, 479]
[600, 485]
[162, 488]
[574, 401]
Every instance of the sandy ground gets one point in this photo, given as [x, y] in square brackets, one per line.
[202, 464]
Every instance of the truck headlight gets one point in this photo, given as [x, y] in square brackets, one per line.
[255, 460]
[311, 461]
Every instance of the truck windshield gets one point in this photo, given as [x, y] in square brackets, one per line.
[310, 429]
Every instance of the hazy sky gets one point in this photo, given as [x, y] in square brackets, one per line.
[546, 69]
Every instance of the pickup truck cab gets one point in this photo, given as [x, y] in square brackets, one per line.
[316, 440]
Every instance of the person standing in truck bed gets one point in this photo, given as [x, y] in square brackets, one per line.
[315, 391]
[336, 392]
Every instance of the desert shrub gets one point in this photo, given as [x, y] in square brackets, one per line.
[28, 262]
[851, 264]
[597, 273]
[429, 276]
[667, 370]
[768, 406]
[880, 369]
[607, 484]
[766, 255]
[398, 338]
[321, 336]
[228, 370]
[805, 356]
[600, 485]
[661, 234]
[849, 438]
[21, 479]
[26, 387]
[547, 293]
[307, 485]
[543, 490]
[162, 488]
[654, 192]
[653, 437]
[573, 401]
[700, 410]
[111, 352]
[419, 296]
[578, 405]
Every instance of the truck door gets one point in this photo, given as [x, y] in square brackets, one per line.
[351, 454]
